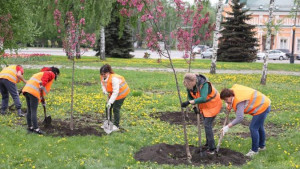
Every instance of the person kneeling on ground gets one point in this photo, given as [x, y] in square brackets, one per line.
[245, 100]
[39, 84]
[9, 77]
[201, 92]
[116, 87]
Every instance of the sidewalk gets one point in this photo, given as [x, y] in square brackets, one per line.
[170, 70]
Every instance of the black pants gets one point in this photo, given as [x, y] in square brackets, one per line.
[6, 87]
[32, 105]
[210, 141]
[116, 107]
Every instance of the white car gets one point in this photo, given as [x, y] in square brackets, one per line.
[261, 55]
[199, 48]
[207, 53]
[273, 54]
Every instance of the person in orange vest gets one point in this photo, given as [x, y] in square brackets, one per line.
[39, 82]
[116, 87]
[9, 77]
[203, 94]
[245, 100]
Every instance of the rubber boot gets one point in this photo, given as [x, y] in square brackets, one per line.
[20, 114]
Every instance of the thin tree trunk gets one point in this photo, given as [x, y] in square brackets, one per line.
[77, 41]
[187, 148]
[102, 43]
[72, 96]
[216, 35]
[1, 45]
[263, 80]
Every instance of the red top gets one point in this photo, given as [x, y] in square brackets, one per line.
[20, 68]
[47, 77]
[45, 69]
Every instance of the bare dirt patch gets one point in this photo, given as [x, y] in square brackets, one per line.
[175, 155]
[191, 119]
[83, 125]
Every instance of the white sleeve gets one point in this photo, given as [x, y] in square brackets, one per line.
[115, 85]
[103, 88]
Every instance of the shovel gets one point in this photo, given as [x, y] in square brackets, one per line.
[221, 134]
[47, 121]
[108, 126]
[199, 134]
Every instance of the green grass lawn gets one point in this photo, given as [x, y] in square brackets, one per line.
[152, 63]
[151, 92]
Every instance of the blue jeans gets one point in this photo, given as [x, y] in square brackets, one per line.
[6, 87]
[257, 130]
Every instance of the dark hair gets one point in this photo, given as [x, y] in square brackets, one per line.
[226, 93]
[106, 68]
[55, 70]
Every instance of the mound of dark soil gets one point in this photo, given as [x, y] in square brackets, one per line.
[191, 119]
[176, 155]
[83, 125]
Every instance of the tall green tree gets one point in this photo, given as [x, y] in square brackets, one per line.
[238, 43]
[16, 24]
[118, 43]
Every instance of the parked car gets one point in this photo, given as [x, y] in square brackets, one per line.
[286, 51]
[273, 54]
[207, 53]
[298, 57]
[261, 55]
[199, 48]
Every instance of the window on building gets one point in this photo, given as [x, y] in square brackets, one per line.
[283, 44]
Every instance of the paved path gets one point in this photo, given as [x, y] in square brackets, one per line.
[138, 53]
[170, 70]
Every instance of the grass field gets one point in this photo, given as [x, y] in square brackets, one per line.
[151, 92]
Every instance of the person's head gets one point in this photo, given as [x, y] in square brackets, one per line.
[227, 95]
[55, 70]
[190, 80]
[105, 70]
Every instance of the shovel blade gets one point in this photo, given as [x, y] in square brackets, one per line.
[47, 121]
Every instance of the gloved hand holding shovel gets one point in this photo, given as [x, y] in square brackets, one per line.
[47, 121]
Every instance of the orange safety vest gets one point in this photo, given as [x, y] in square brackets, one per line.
[123, 86]
[10, 73]
[213, 105]
[257, 102]
[33, 85]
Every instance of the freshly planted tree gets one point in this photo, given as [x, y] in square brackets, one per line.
[72, 34]
[152, 13]
[238, 43]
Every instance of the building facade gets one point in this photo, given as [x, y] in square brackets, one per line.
[281, 39]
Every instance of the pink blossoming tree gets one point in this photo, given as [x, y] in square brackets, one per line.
[187, 34]
[70, 22]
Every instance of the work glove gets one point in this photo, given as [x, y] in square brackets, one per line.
[108, 105]
[196, 110]
[225, 130]
[184, 104]
[105, 92]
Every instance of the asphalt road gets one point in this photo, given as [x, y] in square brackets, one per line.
[137, 54]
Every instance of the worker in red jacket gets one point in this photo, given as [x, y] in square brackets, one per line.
[39, 82]
[9, 77]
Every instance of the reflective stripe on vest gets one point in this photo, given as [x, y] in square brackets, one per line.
[123, 86]
[257, 102]
[213, 104]
[33, 85]
[10, 73]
